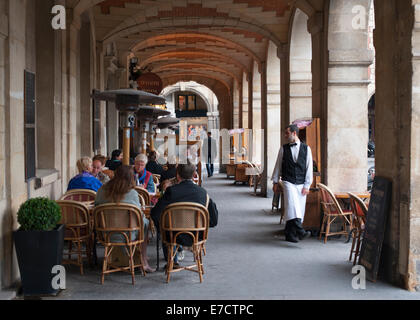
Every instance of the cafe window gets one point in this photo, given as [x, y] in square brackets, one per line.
[30, 143]
[186, 103]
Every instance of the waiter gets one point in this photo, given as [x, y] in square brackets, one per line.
[295, 168]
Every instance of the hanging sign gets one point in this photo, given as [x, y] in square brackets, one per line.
[150, 82]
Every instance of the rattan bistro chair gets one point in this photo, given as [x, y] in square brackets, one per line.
[332, 211]
[185, 218]
[75, 216]
[120, 219]
[80, 195]
[359, 221]
[144, 196]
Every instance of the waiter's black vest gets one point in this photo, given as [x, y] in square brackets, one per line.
[294, 172]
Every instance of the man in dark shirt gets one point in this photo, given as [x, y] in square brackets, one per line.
[185, 191]
[116, 160]
[209, 153]
[152, 165]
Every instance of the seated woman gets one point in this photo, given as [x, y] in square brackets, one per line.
[116, 160]
[85, 179]
[98, 164]
[121, 190]
[143, 177]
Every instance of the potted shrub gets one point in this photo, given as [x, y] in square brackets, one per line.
[39, 245]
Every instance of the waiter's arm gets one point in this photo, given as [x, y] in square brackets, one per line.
[309, 172]
[277, 172]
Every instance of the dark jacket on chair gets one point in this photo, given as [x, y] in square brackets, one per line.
[186, 191]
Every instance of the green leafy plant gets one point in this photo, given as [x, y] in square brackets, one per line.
[39, 214]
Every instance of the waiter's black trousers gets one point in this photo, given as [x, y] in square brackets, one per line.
[294, 228]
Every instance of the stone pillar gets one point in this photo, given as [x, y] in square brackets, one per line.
[235, 94]
[86, 114]
[273, 127]
[300, 69]
[347, 116]
[317, 24]
[263, 137]
[72, 54]
[5, 216]
[16, 191]
[397, 130]
[245, 87]
[256, 115]
[283, 54]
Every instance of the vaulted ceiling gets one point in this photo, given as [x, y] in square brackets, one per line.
[204, 40]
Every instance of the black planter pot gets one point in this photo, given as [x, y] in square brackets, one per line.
[37, 253]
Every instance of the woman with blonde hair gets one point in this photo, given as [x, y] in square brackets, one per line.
[120, 189]
[85, 179]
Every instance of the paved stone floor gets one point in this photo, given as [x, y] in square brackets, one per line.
[246, 259]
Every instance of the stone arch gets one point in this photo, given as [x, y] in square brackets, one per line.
[210, 108]
[300, 99]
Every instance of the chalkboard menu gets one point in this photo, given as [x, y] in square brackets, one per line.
[373, 237]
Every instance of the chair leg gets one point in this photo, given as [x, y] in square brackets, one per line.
[357, 253]
[169, 266]
[322, 227]
[352, 245]
[105, 264]
[201, 261]
[327, 232]
[197, 251]
[79, 256]
[131, 261]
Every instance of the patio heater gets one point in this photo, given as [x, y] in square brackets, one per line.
[130, 102]
[147, 115]
[167, 123]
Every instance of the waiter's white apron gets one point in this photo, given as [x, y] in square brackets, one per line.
[294, 201]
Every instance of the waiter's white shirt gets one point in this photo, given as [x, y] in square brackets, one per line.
[295, 153]
[295, 202]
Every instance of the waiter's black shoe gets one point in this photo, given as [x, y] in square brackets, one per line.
[291, 239]
[307, 234]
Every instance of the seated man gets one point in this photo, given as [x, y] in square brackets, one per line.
[143, 178]
[184, 191]
[85, 179]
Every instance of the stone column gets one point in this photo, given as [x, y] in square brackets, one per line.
[72, 134]
[273, 127]
[235, 94]
[397, 154]
[317, 23]
[245, 87]
[5, 219]
[300, 69]
[263, 137]
[283, 54]
[16, 188]
[256, 115]
[347, 116]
